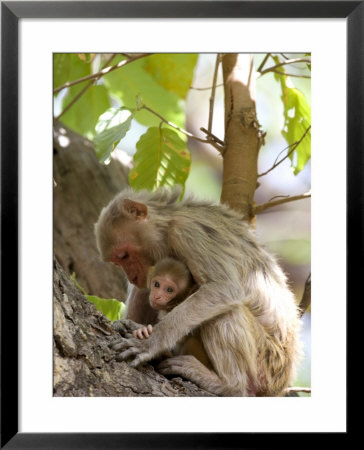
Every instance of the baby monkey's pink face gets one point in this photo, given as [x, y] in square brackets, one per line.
[162, 290]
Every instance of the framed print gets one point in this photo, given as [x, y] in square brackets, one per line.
[39, 410]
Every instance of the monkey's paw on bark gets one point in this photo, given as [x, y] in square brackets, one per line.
[126, 327]
[133, 348]
[186, 366]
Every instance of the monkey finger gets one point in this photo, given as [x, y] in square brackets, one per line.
[141, 358]
[145, 332]
[127, 353]
[140, 333]
[172, 365]
[122, 344]
[125, 327]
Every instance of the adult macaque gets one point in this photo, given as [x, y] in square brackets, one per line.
[246, 315]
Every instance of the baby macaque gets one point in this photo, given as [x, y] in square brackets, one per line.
[170, 283]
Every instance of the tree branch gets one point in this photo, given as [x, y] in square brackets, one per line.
[212, 97]
[259, 208]
[101, 73]
[287, 74]
[205, 88]
[187, 133]
[80, 94]
[298, 389]
[260, 68]
[294, 146]
[284, 63]
[306, 297]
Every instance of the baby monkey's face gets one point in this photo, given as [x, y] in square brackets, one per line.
[162, 290]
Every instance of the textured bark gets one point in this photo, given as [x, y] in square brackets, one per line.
[84, 365]
[82, 187]
[242, 135]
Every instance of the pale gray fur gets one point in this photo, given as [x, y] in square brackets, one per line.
[247, 315]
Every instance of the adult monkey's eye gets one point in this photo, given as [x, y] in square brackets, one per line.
[124, 255]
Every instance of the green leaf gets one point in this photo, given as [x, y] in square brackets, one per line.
[131, 81]
[111, 127]
[297, 119]
[111, 308]
[85, 112]
[173, 71]
[69, 67]
[161, 159]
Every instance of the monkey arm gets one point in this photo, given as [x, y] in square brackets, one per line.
[211, 300]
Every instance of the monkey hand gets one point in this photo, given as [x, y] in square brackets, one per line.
[143, 332]
[135, 351]
[126, 327]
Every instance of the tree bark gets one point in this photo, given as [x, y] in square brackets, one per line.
[242, 135]
[84, 364]
[82, 187]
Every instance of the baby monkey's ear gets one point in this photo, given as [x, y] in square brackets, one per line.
[135, 210]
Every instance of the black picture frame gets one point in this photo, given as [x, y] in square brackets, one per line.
[11, 12]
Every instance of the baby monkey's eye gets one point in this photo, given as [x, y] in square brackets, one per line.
[169, 289]
[156, 284]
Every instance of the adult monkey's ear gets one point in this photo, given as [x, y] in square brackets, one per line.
[135, 210]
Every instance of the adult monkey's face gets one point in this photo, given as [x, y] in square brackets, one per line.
[122, 237]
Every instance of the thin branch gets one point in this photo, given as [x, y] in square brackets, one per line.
[298, 389]
[101, 73]
[212, 97]
[259, 208]
[286, 74]
[284, 63]
[260, 68]
[306, 297]
[205, 88]
[212, 136]
[80, 94]
[187, 133]
[294, 146]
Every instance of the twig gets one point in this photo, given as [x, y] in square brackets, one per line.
[298, 389]
[284, 63]
[212, 136]
[259, 208]
[205, 88]
[285, 74]
[101, 73]
[80, 94]
[187, 133]
[212, 97]
[306, 296]
[260, 68]
[294, 146]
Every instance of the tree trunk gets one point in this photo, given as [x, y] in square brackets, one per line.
[84, 364]
[82, 187]
[242, 135]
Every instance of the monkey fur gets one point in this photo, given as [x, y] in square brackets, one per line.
[171, 273]
[243, 311]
